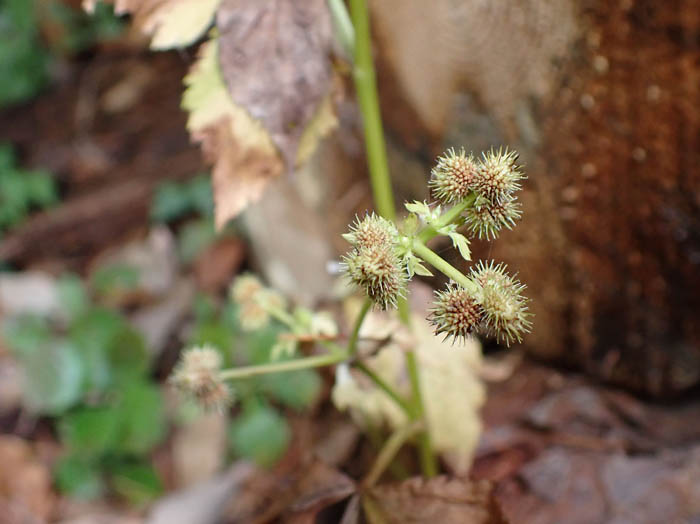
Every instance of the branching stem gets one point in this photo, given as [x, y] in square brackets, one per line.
[446, 218]
[287, 365]
[389, 450]
[439, 263]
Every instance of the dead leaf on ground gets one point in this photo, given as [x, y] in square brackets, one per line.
[451, 387]
[275, 58]
[581, 487]
[296, 491]
[170, 23]
[199, 449]
[438, 500]
[25, 483]
[321, 487]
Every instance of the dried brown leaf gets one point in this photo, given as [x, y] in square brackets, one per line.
[245, 160]
[453, 393]
[274, 58]
[440, 499]
[25, 483]
[170, 23]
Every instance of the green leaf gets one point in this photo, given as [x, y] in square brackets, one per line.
[23, 58]
[260, 343]
[115, 279]
[460, 242]
[54, 377]
[89, 431]
[259, 434]
[40, 188]
[216, 334]
[79, 477]
[93, 334]
[201, 196]
[14, 203]
[137, 482]
[170, 202]
[296, 389]
[7, 157]
[195, 237]
[73, 296]
[204, 308]
[26, 333]
[141, 414]
[416, 267]
[127, 354]
[422, 209]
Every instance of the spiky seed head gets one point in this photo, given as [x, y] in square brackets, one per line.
[456, 313]
[454, 175]
[506, 316]
[197, 375]
[252, 316]
[379, 272]
[372, 230]
[245, 287]
[498, 175]
[485, 218]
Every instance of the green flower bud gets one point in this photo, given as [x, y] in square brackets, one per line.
[485, 219]
[456, 313]
[454, 176]
[498, 176]
[197, 375]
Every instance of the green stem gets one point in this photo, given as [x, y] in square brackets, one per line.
[343, 26]
[368, 100]
[366, 88]
[425, 446]
[282, 316]
[389, 450]
[446, 218]
[287, 365]
[447, 269]
[384, 386]
[352, 343]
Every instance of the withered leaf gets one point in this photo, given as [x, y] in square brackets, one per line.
[244, 158]
[170, 23]
[440, 499]
[453, 393]
[274, 55]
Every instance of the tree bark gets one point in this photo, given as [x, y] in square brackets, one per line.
[601, 99]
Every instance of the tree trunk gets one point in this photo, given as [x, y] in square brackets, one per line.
[601, 98]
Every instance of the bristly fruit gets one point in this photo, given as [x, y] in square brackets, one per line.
[197, 375]
[255, 301]
[454, 176]
[506, 316]
[498, 175]
[379, 272]
[456, 313]
[372, 230]
[485, 218]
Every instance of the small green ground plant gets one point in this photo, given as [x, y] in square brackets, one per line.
[22, 190]
[26, 56]
[90, 370]
[232, 335]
